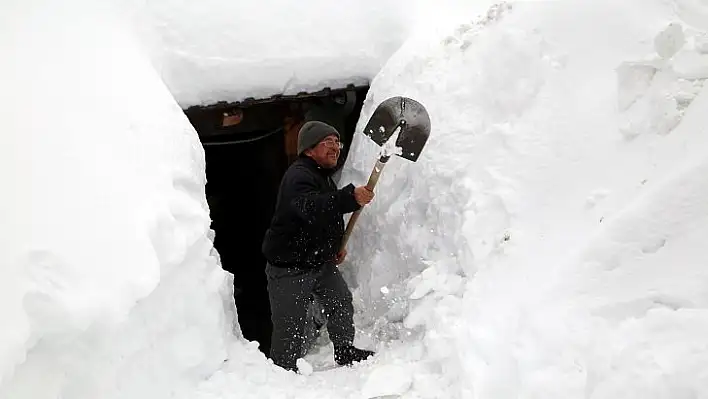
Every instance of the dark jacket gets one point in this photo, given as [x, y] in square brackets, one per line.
[308, 224]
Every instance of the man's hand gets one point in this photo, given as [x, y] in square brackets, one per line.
[363, 195]
[340, 256]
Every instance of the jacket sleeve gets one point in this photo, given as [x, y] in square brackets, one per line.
[318, 208]
[349, 204]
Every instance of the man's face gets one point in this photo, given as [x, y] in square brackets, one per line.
[326, 152]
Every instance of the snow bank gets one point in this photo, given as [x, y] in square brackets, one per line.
[109, 284]
[548, 243]
[109, 288]
[216, 50]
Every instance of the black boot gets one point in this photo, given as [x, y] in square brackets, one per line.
[346, 355]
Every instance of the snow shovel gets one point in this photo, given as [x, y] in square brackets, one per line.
[393, 114]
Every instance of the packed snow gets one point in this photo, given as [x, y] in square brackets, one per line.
[216, 50]
[547, 244]
[110, 287]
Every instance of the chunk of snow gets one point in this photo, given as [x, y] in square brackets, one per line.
[303, 367]
[387, 380]
[634, 80]
[691, 65]
[701, 42]
[669, 41]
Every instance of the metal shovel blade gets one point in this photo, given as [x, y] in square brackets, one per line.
[408, 114]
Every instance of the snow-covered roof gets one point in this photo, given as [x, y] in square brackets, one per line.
[215, 50]
[210, 51]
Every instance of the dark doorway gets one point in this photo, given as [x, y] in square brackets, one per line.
[242, 186]
[248, 147]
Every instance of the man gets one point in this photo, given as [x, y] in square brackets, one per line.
[302, 249]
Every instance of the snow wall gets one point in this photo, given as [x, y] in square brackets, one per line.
[547, 244]
[109, 287]
[550, 242]
[109, 284]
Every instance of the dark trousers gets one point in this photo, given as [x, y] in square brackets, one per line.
[290, 291]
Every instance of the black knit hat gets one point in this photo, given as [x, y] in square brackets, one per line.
[311, 133]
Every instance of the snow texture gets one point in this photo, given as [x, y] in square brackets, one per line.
[549, 242]
[110, 287]
[216, 50]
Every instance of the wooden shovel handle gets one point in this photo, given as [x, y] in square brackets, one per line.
[373, 179]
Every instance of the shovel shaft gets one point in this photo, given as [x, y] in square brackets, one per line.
[373, 179]
[376, 172]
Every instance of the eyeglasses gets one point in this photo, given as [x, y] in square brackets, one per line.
[333, 144]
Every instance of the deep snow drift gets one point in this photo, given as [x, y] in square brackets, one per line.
[548, 243]
[108, 288]
[558, 212]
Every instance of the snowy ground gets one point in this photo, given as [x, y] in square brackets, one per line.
[548, 243]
